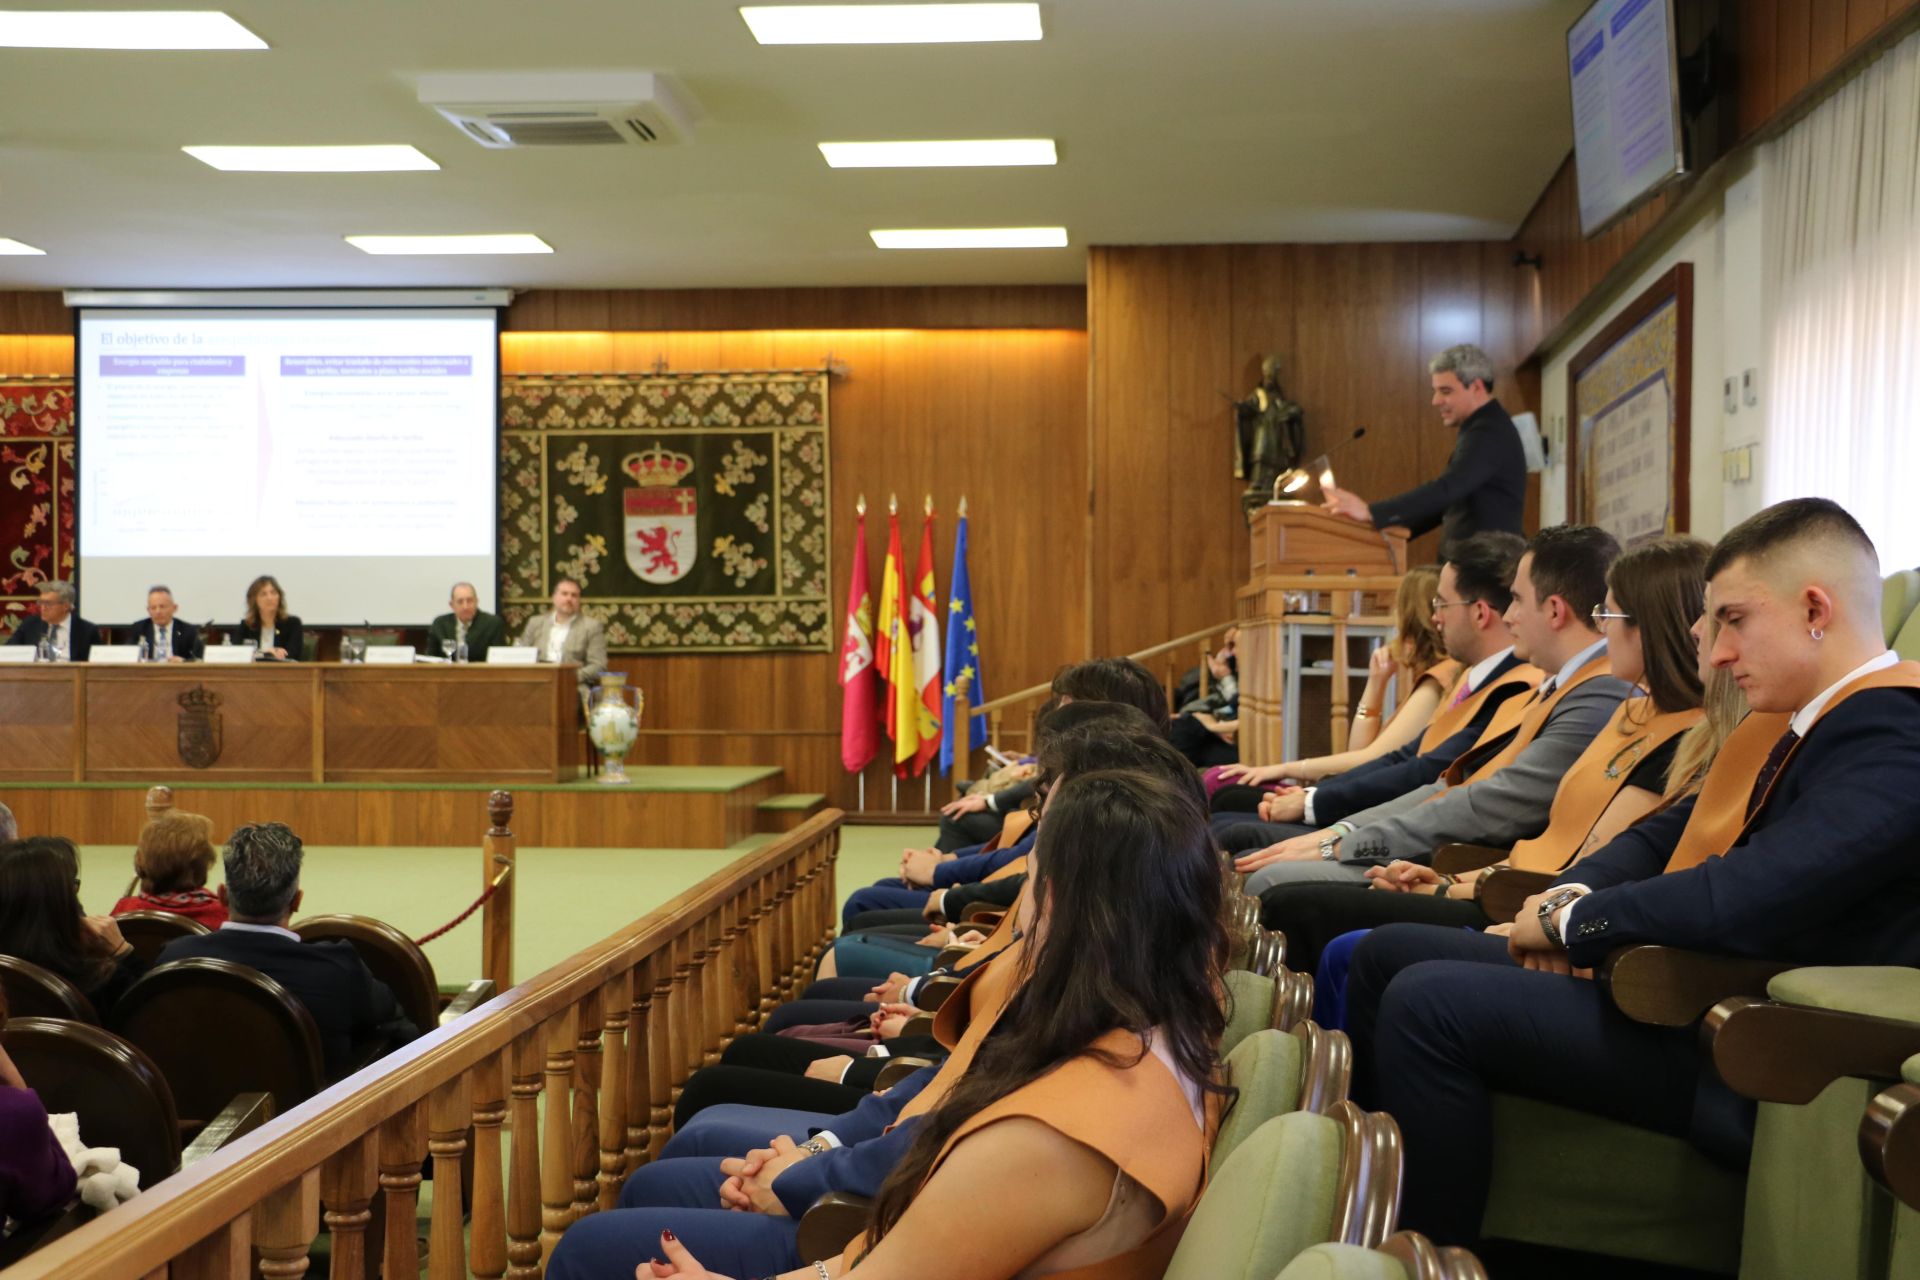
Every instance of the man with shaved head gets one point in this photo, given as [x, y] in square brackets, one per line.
[467, 625]
[1799, 846]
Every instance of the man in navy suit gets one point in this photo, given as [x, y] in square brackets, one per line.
[354, 1010]
[71, 636]
[167, 638]
[1823, 875]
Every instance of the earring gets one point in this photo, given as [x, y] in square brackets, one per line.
[1817, 634]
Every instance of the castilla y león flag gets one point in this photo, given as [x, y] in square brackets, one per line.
[859, 682]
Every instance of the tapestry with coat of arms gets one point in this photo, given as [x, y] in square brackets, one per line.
[691, 507]
[36, 491]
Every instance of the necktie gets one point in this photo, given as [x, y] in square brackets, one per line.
[1771, 769]
[1460, 696]
[460, 632]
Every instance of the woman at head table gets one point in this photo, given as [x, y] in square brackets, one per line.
[267, 622]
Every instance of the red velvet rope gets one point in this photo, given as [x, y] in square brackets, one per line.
[454, 923]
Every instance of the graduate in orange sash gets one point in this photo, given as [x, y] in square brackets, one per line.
[1798, 847]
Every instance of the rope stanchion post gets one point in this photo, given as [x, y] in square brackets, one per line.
[496, 868]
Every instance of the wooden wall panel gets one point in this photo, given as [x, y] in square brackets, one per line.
[931, 307]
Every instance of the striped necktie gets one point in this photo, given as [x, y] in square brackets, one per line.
[1770, 770]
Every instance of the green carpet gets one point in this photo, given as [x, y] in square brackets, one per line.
[567, 898]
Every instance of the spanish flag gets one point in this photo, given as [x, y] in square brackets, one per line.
[892, 654]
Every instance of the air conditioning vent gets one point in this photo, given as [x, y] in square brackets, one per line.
[562, 109]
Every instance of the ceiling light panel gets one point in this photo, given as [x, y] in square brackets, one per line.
[450, 244]
[13, 248]
[981, 153]
[373, 159]
[123, 29]
[971, 238]
[891, 23]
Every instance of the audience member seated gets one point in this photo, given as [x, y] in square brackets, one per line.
[1798, 847]
[1027, 1121]
[172, 860]
[267, 624]
[1418, 648]
[70, 636]
[1207, 730]
[168, 638]
[35, 1175]
[1469, 608]
[356, 1012]
[1500, 790]
[1654, 600]
[975, 817]
[42, 921]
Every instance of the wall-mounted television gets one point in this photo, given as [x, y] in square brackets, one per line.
[1623, 70]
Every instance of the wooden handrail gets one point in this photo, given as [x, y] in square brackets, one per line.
[672, 988]
[1041, 690]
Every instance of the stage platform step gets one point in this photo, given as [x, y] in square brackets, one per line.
[658, 807]
[785, 812]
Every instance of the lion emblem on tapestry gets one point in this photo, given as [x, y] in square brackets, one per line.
[691, 507]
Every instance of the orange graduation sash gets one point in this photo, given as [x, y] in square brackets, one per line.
[1522, 718]
[965, 1020]
[1598, 776]
[1449, 720]
[1719, 819]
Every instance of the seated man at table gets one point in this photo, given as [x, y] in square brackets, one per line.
[467, 625]
[567, 634]
[167, 638]
[355, 1011]
[70, 636]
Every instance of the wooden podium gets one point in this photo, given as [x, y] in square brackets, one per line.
[1316, 573]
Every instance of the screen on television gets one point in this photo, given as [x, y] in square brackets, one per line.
[1626, 116]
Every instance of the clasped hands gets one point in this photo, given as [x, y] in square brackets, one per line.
[749, 1184]
[1528, 944]
[916, 866]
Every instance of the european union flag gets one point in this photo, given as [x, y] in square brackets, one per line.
[963, 652]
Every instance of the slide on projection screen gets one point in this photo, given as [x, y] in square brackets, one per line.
[350, 453]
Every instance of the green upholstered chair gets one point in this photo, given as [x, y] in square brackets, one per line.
[1899, 598]
[1249, 1007]
[1890, 1144]
[1298, 1180]
[1906, 642]
[1404, 1256]
[1307, 1068]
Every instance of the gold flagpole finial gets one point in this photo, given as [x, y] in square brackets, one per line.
[860, 506]
[929, 504]
[893, 504]
[963, 506]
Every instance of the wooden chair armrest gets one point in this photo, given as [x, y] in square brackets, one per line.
[1452, 859]
[1292, 998]
[951, 956]
[898, 1069]
[247, 1112]
[920, 1024]
[934, 991]
[985, 914]
[1775, 1052]
[831, 1224]
[1669, 987]
[1425, 1260]
[1890, 1141]
[1502, 893]
[471, 997]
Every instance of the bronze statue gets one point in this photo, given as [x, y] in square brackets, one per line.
[1269, 437]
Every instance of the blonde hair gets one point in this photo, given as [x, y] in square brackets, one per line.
[175, 853]
[1419, 646]
[1726, 706]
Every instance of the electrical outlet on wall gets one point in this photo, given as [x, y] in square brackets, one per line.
[1750, 387]
[1730, 397]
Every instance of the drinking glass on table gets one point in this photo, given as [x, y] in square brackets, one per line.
[448, 646]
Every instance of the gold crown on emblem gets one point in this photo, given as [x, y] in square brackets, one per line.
[198, 697]
[657, 466]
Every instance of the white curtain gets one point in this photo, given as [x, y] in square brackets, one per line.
[1841, 221]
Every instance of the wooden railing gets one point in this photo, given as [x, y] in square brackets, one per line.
[580, 1066]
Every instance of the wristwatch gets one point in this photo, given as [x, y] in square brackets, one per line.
[1550, 908]
[816, 1146]
[1330, 848]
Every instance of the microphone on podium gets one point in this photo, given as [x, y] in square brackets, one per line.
[1295, 479]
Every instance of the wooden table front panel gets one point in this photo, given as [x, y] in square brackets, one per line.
[133, 719]
[457, 724]
[37, 723]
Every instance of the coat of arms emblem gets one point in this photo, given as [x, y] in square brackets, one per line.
[199, 727]
[661, 538]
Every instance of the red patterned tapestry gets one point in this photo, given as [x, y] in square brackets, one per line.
[36, 490]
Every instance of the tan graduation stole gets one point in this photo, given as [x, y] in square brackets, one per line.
[1018, 867]
[1719, 819]
[1598, 776]
[1523, 721]
[964, 1022]
[1449, 720]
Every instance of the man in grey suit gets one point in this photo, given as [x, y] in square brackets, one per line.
[1561, 579]
[567, 634]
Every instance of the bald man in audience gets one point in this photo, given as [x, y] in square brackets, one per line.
[1799, 847]
[466, 624]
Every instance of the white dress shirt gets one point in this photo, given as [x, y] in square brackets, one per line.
[557, 638]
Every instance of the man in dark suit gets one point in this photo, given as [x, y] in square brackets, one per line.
[1821, 874]
[167, 638]
[71, 636]
[1485, 484]
[353, 1009]
[466, 625]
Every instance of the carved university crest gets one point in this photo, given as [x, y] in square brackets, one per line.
[199, 727]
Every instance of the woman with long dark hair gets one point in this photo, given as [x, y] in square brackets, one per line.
[1083, 1122]
[42, 921]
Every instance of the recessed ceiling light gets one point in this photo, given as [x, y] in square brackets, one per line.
[450, 244]
[972, 238]
[377, 159]
[983, 152]
[891, 23]
[124, 29]
[16, 249]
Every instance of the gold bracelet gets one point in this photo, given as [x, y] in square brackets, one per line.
[1364, 713]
